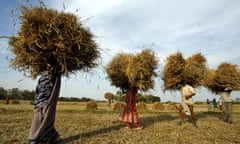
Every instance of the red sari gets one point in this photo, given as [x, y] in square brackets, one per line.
[130, 114]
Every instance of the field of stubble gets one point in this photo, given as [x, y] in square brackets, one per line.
[79, 126]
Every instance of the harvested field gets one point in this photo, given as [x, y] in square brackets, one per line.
[79, 126]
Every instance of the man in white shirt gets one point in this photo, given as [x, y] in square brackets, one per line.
[186, 105]
[187, 92]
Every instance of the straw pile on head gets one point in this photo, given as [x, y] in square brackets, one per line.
[179, 71]
[108, 95]
[208, 79]
[127, 70]
[226, 76]
[116, 70]
[194, 69]
[173, 71]
[50, 38]
[118, 106]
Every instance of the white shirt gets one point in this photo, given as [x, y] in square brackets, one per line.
[186, 91]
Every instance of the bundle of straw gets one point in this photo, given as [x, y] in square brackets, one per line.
[50, 38]
[208, 79]
[140, 70]
[194, 69]
[127, 70]
[108, 95]
[173, 72]
[116, 70]
[226, 76]
[178, 71]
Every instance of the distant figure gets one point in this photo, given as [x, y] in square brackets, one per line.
[130, 114]
[227, 105]
[215, 105]
[7, 100]
[220, 104]
[209, 105]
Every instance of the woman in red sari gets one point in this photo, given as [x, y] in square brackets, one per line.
[130, 114]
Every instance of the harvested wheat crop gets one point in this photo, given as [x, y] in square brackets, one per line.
[128, 70]
[227, 76]
[118, 106]
[178, 71]
[140, 70]
[208, 79]
[50, 38]
[91, 105]
[173, 72]
[116, 70]
[142, 106]
[158, 106]
[194, 69]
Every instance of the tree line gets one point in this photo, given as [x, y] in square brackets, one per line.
[16, 93]
[19, 94]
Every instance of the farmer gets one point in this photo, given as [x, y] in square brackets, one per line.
[130, 114]
[226, 104]
[7, 100]
[220, 104]
[187, 92]
[186, 105]
[215, 104]
[47, 91]
[209, 105]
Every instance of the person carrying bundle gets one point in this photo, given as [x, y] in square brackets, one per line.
[130, 114]
[45, 101]
[227, 104]
[187, 93]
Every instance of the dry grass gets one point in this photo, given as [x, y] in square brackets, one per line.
[79, 126]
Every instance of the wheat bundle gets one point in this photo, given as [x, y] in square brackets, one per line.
[194, 69]
[127, 70]
[173, 71]
[141, 106]
[140, 70]
[108, 95]
[158, 106]
[116, 70]
[50, 38]
[91, 105]
[227, 76]
[118, 106]
[208, 79]
[172, 106]
[179, 71]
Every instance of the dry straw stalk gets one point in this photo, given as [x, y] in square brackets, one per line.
[178, 71]
[50, 38]
[128, 70]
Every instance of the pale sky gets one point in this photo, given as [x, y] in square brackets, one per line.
[167, 26]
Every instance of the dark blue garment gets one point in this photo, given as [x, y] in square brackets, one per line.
[43, 90]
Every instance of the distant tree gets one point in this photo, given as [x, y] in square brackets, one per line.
[3, 93]
[27, 95]
[147, 98]
[237, 99]
[15, 93]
